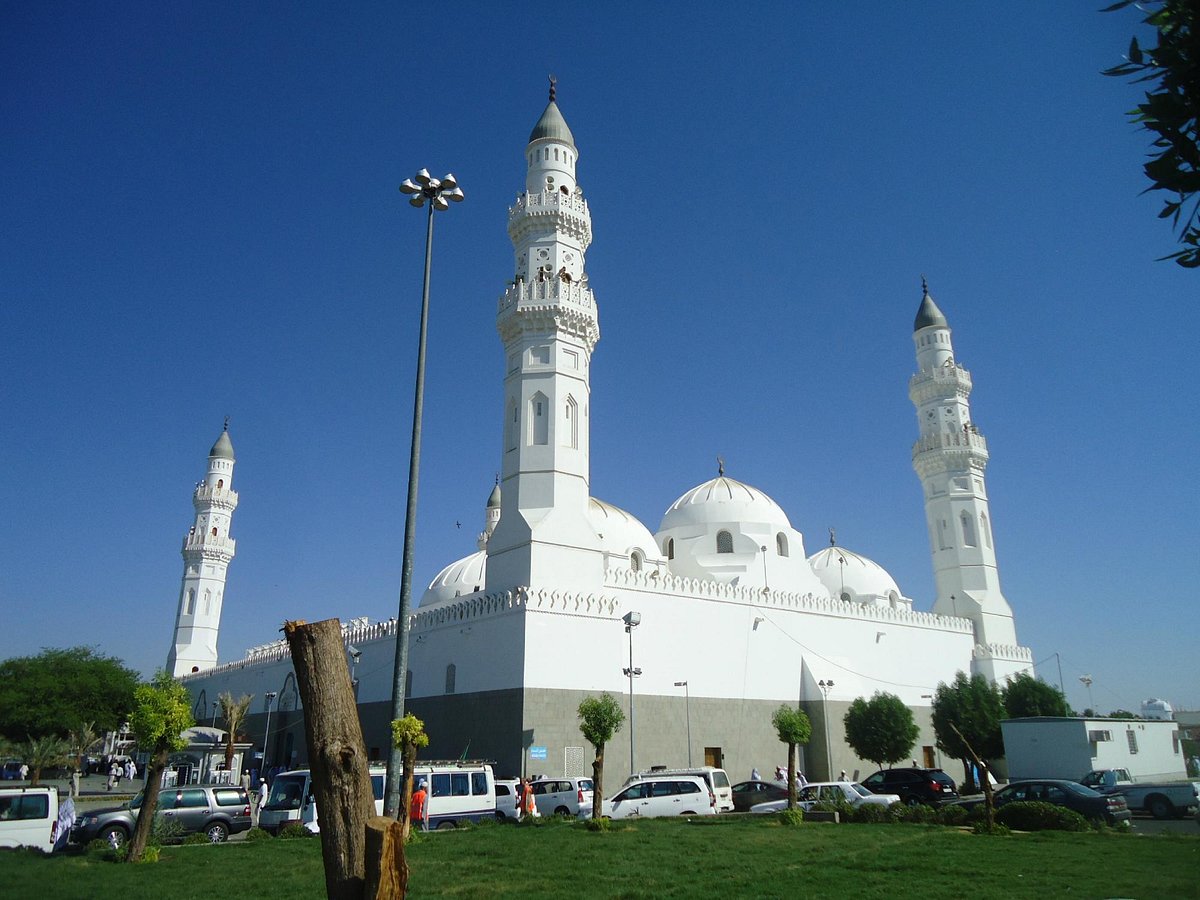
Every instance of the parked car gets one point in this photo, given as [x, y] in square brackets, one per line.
[747, 793]
[815, 792]
[29, 817]
[666, 795]
[1112, 808]
[11, 770]
[715, 778]
[214, 810]
[1162, 799]
[914, 785]
[506, 798]
[561, 796]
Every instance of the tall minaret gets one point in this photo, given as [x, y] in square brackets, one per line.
[547, 321]
[950, 457]
[207, 550]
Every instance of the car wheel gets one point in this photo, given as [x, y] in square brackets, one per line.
[501, 817]
[687, 813]
[217, 832]
[561, 811]
[1160, 807]
[445, 826]
[115, 835]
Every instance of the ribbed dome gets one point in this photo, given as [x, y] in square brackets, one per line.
[724, 500]
[552, 126]
[843, 571]
[463, 576]
[619, 531]
[223, 448]
[929, 314]
[493, 500]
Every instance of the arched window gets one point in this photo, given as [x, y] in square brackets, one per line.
[724, 542]
[220, 483]
[408, 683]
[968, 529]
[571, 432]
[514, 423]
[190, 607]
[539, 425]
[450, 672]
[984, 530]
[556, 154]
[670, 548]
[208, 603]
[781, 546]
[214, 532]
[635, 561]
[941, 530]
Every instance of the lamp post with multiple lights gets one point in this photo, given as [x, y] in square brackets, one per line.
[826, 687]
[687, 707]
[632, 620]
[270, 695]
[438, 193]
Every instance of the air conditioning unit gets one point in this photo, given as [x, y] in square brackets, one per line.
[1099, 735]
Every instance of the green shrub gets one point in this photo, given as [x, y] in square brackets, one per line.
[150, 854]
[597, 825]
[259, 834]
[1037, 816]
[164, 831]
[98, 845]
[295, 830]
[918, 813]
[791, 817]
[953, 815]
[981, 827]
[871, 813]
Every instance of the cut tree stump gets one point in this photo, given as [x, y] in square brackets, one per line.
[387, 869]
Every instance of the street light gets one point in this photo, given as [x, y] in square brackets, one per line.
[214, 719]
[438, 193]
[1087, 682]
[687, 706]
[826, 687]
[632, 620]
[270, 695]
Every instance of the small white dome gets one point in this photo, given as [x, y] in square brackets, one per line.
[721, 501]
[844, 572]
[463, 576]
[619, 531]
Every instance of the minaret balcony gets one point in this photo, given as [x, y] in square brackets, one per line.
[547, 306]
[550, 211]
[549, 291]
[971, 441]
[944, 381]
[209, 496]
[208, 546]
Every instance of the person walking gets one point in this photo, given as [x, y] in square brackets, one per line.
[418, 811]
[113, 776]
[754, 776]
[130, 771]
[24, 772]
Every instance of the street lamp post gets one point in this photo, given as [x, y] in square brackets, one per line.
[270, 695]
[438, 193]
[1087, 682]
[826, 687]
[214, 718]
[632, 620]
[687, 707]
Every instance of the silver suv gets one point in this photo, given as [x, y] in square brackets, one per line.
[217, 811]
[561, 796]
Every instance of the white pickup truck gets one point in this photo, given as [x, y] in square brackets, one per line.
[1163, 800]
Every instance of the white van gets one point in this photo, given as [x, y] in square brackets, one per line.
[291, 800]
[29, 817]
[716, 779]
[661, 795]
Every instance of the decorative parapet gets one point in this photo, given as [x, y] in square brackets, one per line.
[699, 589]
[1010, 652]
[944, 381]
[951, 440]
[551, 210]
[548, 304]
[221, 498]
[208, 547]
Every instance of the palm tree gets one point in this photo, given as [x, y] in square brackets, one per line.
[82, 740]
[45, 753]
[234, 713]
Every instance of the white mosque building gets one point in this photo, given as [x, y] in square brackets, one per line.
[734, 617]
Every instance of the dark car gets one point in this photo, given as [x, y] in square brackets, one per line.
[914, 785]
[747, 793]
[213, 810]
[1112, 808]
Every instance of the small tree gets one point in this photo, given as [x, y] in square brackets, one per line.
[82, 740]
[161, 713]
[1027, 696]
[969, 711]
[793, 728]
[880, 729]
[44, 753]
[234, 713]
[409, 735]
[599, 719]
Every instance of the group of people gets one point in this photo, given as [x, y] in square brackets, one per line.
[118, 770]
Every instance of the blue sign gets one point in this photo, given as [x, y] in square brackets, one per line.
[537, 752]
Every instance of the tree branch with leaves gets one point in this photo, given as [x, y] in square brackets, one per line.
[599, 719]
[794, 728]
[161, 713]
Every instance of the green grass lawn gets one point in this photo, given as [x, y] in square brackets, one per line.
[659, 858]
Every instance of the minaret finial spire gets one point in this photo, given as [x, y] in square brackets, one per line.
[553, 84]
[720, 467]
[924, 287]
[832, 537]
[226, 423]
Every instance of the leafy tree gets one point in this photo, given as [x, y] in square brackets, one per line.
[44, 753]
[966, 715]
[81, 741]
[1122, 714]
[1026, 696]
[880, 729]
[409, 735]
[234, 713]
[599, 719]
[1170, 112]
[55, 691]
[162, 712]
[793, 727]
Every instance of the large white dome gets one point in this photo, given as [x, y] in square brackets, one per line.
[724, 500]
[619, 531]
[463, 576]
[854, 578]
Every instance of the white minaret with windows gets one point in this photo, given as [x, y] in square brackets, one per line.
[950, 457]
[548, 323]
[207, 550]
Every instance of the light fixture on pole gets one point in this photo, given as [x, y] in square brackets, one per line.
[420, 188]
[355, 656]
[632, 620]
[687, 706]
[826, 687]
[214, 718]
[766, 587]
[270, 695]
[1087, 682]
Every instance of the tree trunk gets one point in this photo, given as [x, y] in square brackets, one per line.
[145, 819]
[791, 776]
[404, 813]
[337, 756]
[387, 869]
[988, 803]
[598, 784]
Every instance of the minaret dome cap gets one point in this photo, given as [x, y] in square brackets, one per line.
[929, 315]
[223, 448]
[552, 126]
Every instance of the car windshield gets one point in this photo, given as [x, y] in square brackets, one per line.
[860, 790]
[1080, 789]
[942, 778]
[287, 792]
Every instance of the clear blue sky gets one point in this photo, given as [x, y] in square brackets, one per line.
[200, 218]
